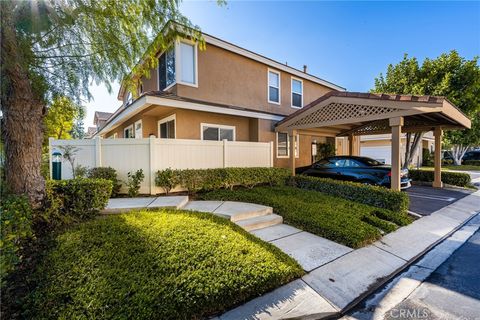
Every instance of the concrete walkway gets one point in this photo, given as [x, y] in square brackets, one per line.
[336, 286]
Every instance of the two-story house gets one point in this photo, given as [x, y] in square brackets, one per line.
[224, 92]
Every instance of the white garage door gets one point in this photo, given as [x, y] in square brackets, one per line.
[382, 154]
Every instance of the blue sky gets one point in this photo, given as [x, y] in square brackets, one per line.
[347, 43]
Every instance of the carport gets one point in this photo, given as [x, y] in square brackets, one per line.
[353, 114]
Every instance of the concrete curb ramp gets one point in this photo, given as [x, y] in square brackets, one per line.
[344, 281]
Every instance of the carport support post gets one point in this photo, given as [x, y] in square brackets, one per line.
[437, 179]
[396, 125]
[351, 140]
[292, 134]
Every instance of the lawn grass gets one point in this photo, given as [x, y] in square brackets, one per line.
[462, 167]
[155, 265]
[350, 223]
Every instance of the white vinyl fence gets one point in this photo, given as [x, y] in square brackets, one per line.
[154, 154]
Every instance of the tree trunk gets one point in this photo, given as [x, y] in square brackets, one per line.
[411, 148]
[457, 152]
[22, 122]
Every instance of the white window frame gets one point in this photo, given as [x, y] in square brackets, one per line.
[178, 64]
[279, 86]
[128, 99]
[135, 129]
[219, 126]
[158, 69]
[297, 145]
[167, 119]
[291, 92]
[125, 129]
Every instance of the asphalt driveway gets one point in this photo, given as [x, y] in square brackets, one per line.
[425, 200]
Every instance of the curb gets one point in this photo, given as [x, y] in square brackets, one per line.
[374, 287]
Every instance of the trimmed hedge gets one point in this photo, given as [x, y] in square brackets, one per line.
[155, 265]
[16, 227]
[74, 200]
[472, 163]
[195, 180]
[376, 196]
[350, 223]
[107, 173]
[453, 178]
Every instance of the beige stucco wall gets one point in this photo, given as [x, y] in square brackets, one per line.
[228, 78]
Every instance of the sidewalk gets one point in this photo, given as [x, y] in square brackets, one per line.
[336, 286]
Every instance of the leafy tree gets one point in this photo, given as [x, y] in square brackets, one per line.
[52, 48]
[62, 116]
[448, 75]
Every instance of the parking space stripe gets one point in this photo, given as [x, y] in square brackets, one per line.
[423, 196]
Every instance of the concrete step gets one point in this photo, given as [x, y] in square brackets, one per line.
[260, 222]
[237, 211]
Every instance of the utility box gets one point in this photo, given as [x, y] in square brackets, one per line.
[56, 165]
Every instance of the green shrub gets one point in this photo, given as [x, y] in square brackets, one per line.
[16, 227]
[107, 173]
[472, 162]
[195, 180]
[74, 200]
[155, 265]
[453, 178]
[81, 171]
[376, 196]
[350, 223]
[447, 162]
[133, 182]
[167, 179]
[427, 157]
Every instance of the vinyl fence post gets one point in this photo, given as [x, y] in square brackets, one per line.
[98, 152]
[152, 164]
[225, 153]
[271, 154]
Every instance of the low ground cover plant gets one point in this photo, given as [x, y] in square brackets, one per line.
[155, 265]
[350, 223]
[371, 195]
[459, 179]
[194, 180]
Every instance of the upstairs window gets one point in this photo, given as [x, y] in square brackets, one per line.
[273, 87]
[188, 63]
[218, 132]
[166, 69]
[297, 93]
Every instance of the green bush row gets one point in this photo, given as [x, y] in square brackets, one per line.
[74, 200]
[453, 178]
[107, 173]
[372, 195]
[16, 227]
[223, 178]
[472, 162]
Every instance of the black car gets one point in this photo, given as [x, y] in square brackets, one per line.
[472, 155]
[350, 168]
